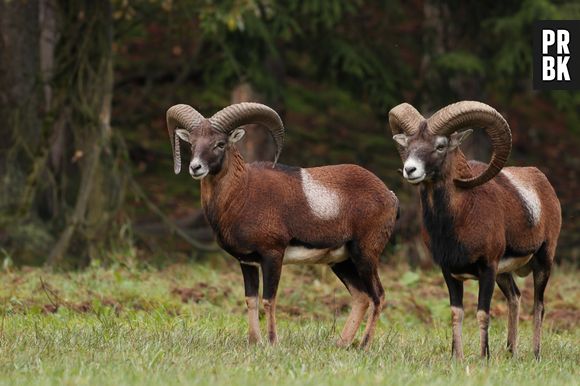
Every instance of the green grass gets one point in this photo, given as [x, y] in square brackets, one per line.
[186, 324]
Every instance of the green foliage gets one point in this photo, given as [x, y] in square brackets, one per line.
[260, 41]
[460, 62]
[512, 37]
[568, 102]
[335, 68]
[410, 278]
[511, 50]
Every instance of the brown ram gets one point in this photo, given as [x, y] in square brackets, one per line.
[267, 215]
[479, 221]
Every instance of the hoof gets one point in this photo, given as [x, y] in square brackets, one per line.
[273, 339]
[254, 339]
[342, 343]
[365, 343]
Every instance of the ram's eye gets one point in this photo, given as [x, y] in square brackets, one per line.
[440, 147]
[220, 145]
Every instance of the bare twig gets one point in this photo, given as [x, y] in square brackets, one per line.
[3, 318]
[168, 222]
[46, 291]
[61, 247]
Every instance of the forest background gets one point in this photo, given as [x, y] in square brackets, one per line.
[85, 163]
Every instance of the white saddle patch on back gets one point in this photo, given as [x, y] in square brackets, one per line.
[301, 255]
[323, 202]
[528, 195]
[510, 264]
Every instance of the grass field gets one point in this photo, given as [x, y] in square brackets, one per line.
[185, 324]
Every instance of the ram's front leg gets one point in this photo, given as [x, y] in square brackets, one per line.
[487, 277]
[271, 271]
[251, 286]
[455, 288]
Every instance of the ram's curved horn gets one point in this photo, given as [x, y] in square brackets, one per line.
[239, 114]
[183, 117]
[476, 115]
[404, 119]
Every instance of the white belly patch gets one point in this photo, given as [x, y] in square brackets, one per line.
[528, 195]
[510, 264]
[323, 202]
[464, 276]
[301, 255]
[506, 264]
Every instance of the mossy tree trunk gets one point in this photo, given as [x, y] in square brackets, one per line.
[70, 198]
[21, 123]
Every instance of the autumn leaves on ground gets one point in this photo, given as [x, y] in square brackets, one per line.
[185, 323]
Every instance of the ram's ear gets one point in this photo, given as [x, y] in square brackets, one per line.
[457, 138]
[401, 139]
[183, 134]
[236, 135]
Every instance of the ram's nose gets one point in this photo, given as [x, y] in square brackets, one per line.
[194, 168]
[414, 170]
[198, 169]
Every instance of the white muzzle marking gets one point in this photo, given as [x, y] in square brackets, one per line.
[323, 202]
[414, 170]
[198, 169]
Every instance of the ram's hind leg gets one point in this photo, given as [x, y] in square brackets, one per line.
[365, 257]
[541, 268]
[508, 286]
[377, 304]
[347, 273]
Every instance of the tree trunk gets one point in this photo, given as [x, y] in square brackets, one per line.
[257, 144]
[21, 125]
[90, 225]
[62, 169]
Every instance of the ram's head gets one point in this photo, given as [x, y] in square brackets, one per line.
[211, 138]
[427, 146]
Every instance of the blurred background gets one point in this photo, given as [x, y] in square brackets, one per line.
[85, 162]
